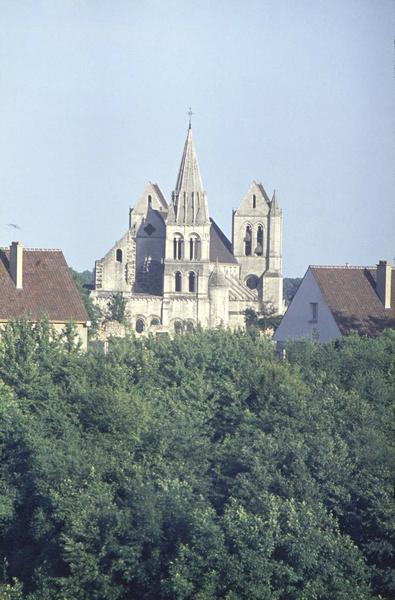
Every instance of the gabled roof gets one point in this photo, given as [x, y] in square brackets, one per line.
[220, 246]
[350, 293]
[48, 289]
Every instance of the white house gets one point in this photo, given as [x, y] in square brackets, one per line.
[334, 301]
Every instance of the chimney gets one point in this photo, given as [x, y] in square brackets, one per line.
[16, 263]
[383, 283]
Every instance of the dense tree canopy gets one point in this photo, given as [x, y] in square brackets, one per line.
[198, 467]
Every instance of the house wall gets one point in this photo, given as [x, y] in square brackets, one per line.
[297, 321]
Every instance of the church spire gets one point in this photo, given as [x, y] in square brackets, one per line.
[189, 197]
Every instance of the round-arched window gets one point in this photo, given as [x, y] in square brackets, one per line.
[119, 255]
[140, 325]
[155, 322]
[192, 281]
[178, 327]
[259, 241]
[178, 247]
[194, 247]
[190, 327]
[252, 282]
[178, 281]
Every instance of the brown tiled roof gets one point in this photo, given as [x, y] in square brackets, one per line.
[220, 246]
[48, 288]
[350, 293]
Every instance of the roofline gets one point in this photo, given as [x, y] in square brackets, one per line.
[57, 322]
[344, 267]
[5, 248]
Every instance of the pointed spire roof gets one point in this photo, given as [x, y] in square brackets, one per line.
[189, 197]
[189, 178]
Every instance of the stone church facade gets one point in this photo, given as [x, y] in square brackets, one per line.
[176, 269]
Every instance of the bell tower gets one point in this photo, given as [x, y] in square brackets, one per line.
[256, 239]
[187, 252]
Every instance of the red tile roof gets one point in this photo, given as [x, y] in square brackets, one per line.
[48, 288]
[350, 293]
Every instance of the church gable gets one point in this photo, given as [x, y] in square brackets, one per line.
[256, 201]
[151, 197]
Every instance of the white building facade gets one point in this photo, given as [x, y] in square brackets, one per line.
[174, 267]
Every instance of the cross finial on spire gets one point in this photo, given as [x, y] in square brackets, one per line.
[190, 113]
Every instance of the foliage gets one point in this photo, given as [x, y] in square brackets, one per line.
[117, 308]
[291, 285]
[82, 280]
[198, 467]
[263, 320]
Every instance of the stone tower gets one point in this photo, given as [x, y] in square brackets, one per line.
[187, 251]
[256, 239]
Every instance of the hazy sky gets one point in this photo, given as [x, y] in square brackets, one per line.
[297, 94]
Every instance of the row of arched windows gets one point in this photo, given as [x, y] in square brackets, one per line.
[182, 326]
[251, 245]
[192, 251]
[192, 281]
[141, 324]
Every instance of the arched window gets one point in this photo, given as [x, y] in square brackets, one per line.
[259, 241]
[155, 322]
[119, 255]
[248, 240]
[190, 327]
[178, 327]
[253, 201]
[178, 282]
[178, 247]
[140, 325]
[149, 200]
[194, 248]
[192, 282]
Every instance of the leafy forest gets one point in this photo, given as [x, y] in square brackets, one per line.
[199, 467]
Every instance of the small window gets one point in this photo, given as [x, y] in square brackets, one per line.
[253, 201]
[192, 282]
[155, 322]
[313, 312]
[178, 282]
[149, 200]
[119, 255]
[140, 326]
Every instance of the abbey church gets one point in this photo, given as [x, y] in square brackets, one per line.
[176, 269]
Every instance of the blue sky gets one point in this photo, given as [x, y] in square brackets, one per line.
[296, 94]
